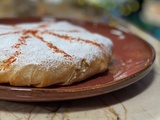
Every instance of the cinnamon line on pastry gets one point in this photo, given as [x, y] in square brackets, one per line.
[53, 47]
[70, 38]
[7, 33]
[12, 58]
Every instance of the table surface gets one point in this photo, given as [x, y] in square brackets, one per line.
[139, 101]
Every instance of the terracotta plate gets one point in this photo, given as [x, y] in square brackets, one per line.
[132, 59]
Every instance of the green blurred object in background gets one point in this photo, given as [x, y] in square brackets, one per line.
[130, 10]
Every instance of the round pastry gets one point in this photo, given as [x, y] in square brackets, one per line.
[44, 54]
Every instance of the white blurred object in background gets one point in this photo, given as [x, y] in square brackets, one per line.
[151, 12]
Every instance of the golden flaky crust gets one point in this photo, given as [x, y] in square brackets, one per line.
[26, 65]
[66, 74]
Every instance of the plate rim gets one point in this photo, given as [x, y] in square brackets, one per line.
[145, 71]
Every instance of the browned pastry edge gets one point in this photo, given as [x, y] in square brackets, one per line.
[66, 74]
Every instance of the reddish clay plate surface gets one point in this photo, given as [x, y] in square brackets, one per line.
[132, 59]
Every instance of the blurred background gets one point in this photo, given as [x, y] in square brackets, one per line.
[143, 13]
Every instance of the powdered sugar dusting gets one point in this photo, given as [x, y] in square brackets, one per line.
[49, 44]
